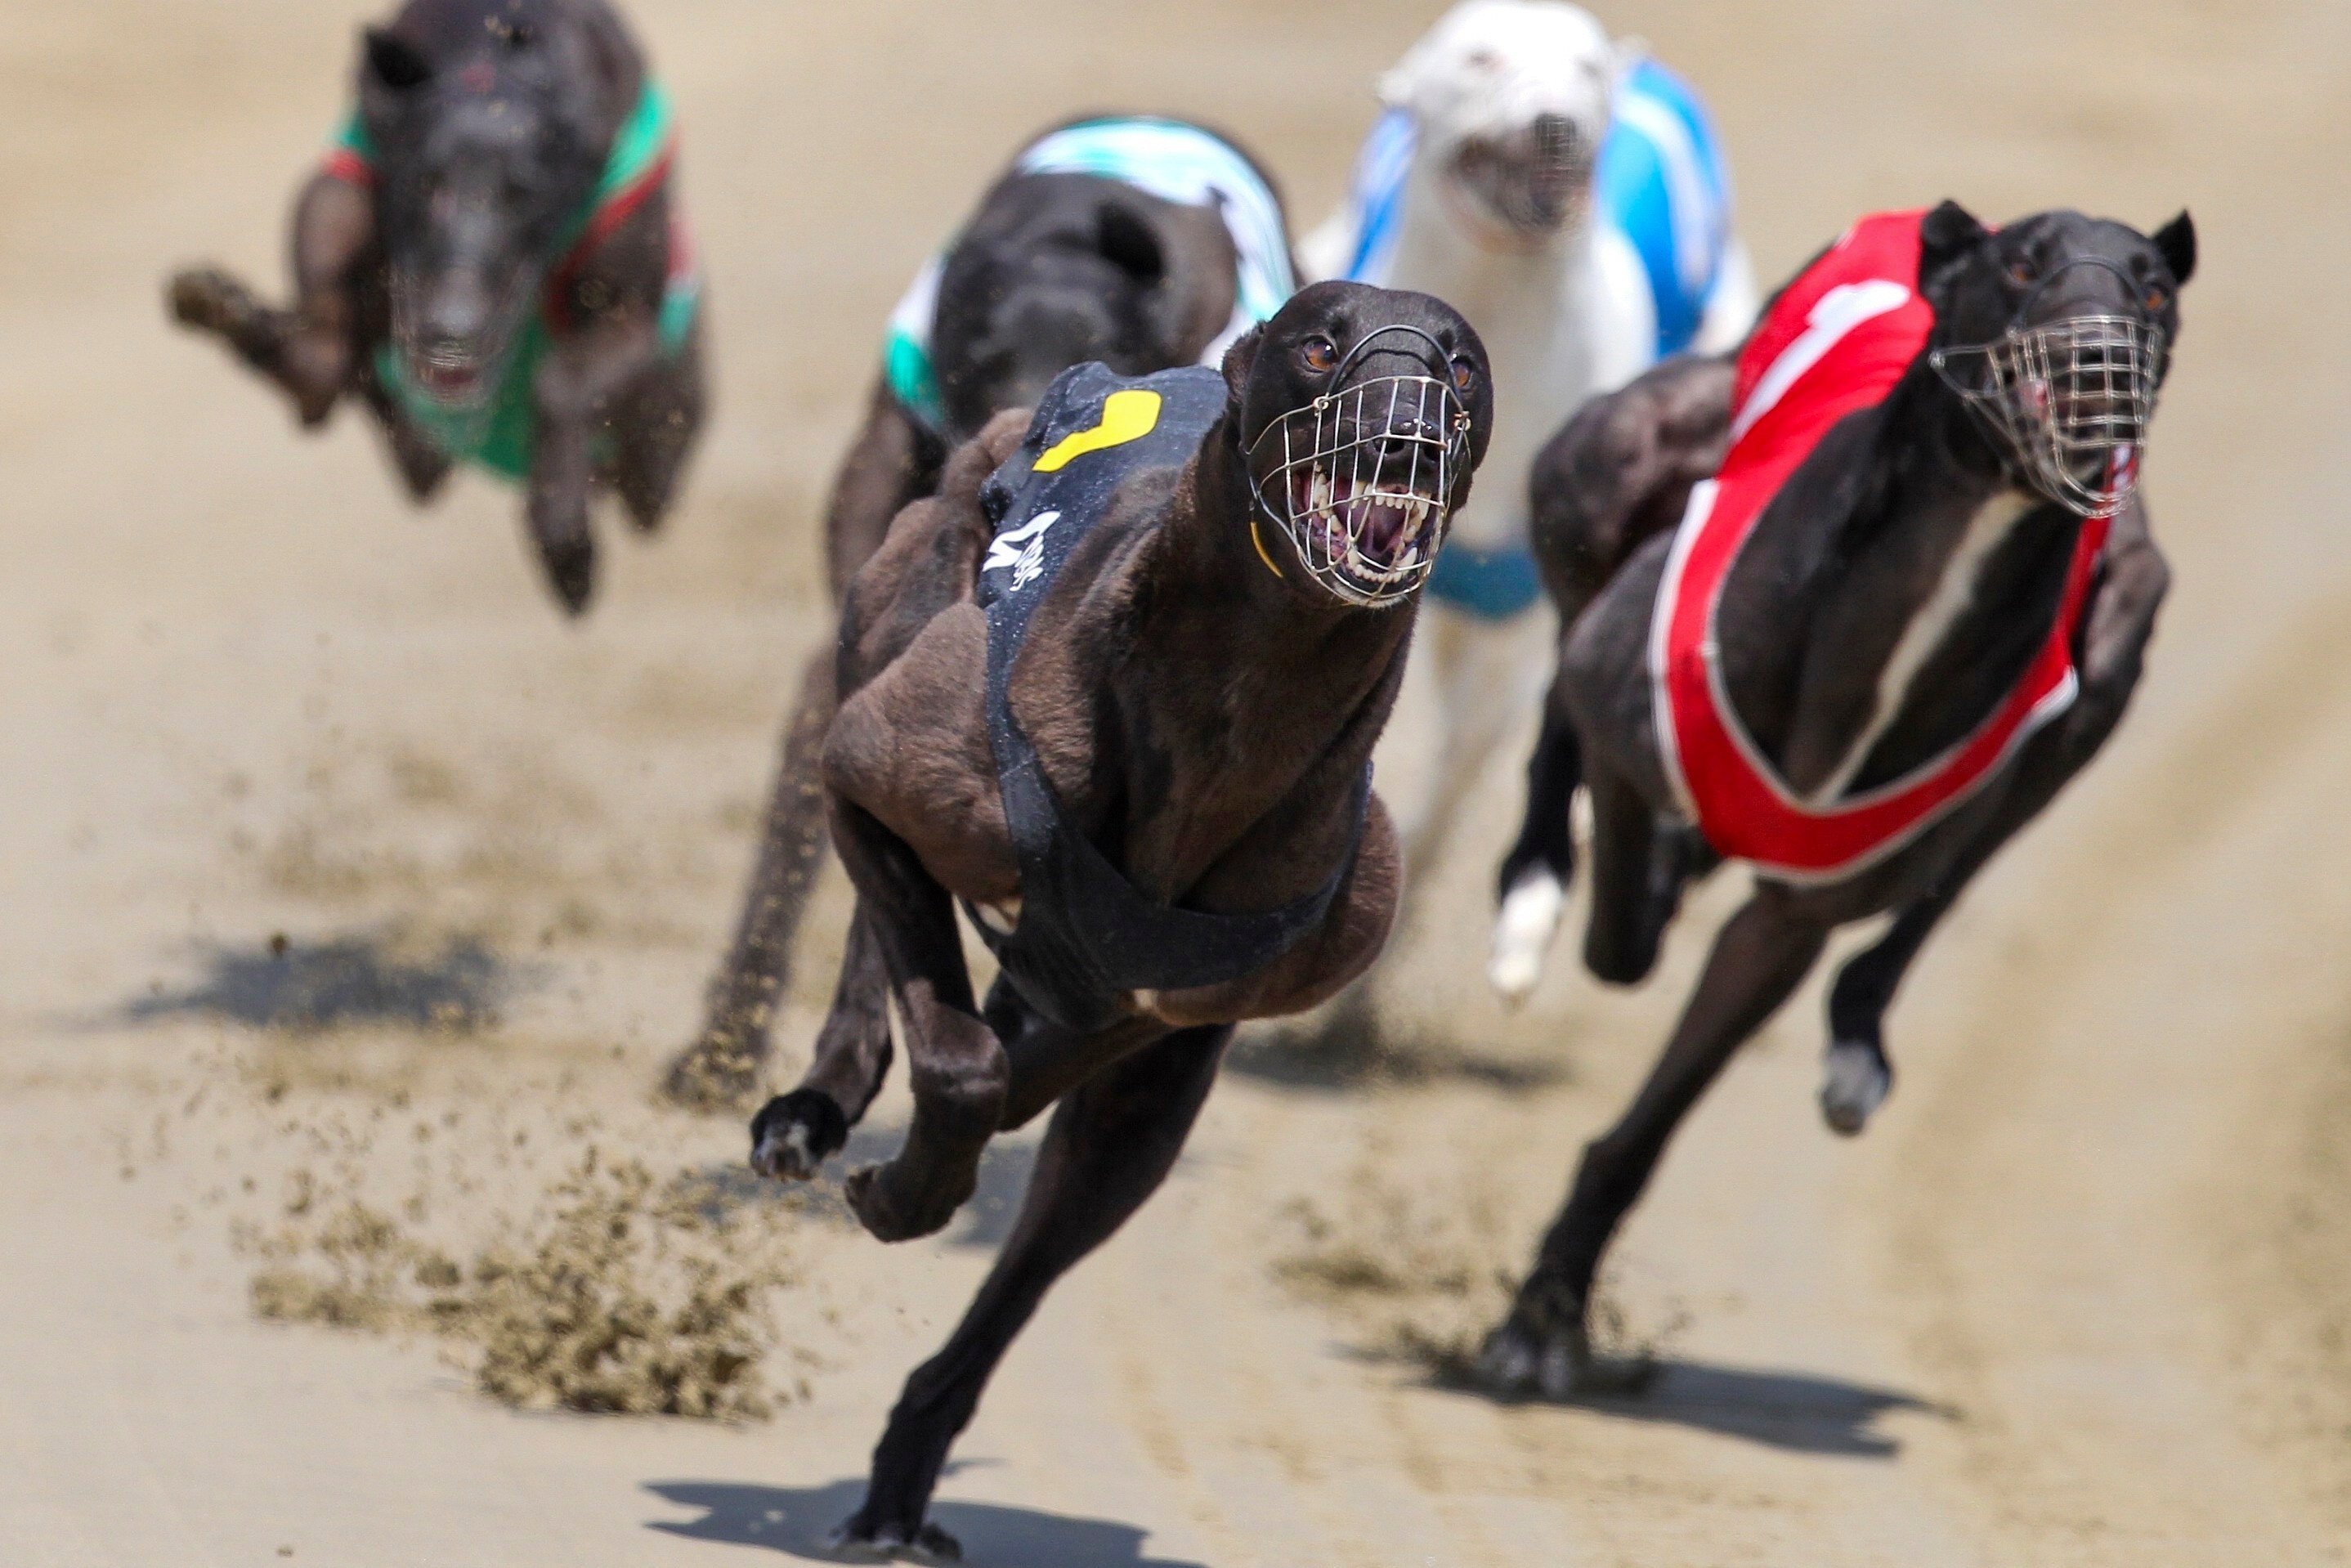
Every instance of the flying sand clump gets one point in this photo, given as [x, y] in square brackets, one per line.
[624, 1294]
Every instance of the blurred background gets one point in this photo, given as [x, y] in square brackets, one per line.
[318, 821]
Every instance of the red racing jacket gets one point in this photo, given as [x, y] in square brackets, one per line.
[1837, 340]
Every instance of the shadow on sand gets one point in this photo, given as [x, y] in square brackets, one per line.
[1801, 1411]
[1351, 1049]
[364, 979]
[800, 1522]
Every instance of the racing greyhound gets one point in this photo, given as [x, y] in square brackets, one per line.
[1570, 196]
[1136, 241]
[492, 258]
[1116, 689]
[1907, 598]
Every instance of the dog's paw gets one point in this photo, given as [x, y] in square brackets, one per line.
[1520, 1361]
[878, 1196]
[859, 1541]
[794, 1134]
[571, 563]
[1523, 931]
[209, 301]
[1855, 1078]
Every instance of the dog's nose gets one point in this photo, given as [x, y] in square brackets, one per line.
[458, 310]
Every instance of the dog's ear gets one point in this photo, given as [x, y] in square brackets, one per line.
[1239, 360]
[1400, 84]
[1129, 243]
[395, 62]
[1945, 236]
[2176, 242]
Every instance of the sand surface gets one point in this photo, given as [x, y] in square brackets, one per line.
[2076, 1298]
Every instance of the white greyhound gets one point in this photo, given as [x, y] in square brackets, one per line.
[1567, 195]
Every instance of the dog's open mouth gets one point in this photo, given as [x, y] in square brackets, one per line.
[457, 371]
[1382, 536]
[1531, 182]
[453, 374]
[1363, 480]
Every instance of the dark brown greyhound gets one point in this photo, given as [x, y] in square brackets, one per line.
[1895, 590]
[492, 258]
[1116, 689]
[1054, 269]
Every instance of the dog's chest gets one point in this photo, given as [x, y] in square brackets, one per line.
[1953, 591]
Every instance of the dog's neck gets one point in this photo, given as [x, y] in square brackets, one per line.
[1540, 306]
[1936, 581]
[1446, 247]
[1245, 695]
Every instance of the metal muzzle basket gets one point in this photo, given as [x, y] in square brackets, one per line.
[2068, 404]
[1365, 481]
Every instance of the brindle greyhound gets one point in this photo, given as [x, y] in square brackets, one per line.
[1054, 269]
[492, 260]
[1153, 795]
[1886, 600]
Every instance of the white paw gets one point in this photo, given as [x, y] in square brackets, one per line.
[1855, 1083]
[1523, 933]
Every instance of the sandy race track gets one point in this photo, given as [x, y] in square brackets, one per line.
[338, 871]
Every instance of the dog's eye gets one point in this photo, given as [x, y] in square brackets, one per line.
[1319, 353]
[1465, 375]
[2155, 297]
[2021, 271]
[1483, 60]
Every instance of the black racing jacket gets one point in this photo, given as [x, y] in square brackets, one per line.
[1086, 936]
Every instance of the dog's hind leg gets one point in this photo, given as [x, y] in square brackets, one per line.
[1110, 1143]
[1759, 957]
[719, 1067]
[890, 464]
[1540, 865]
[796, 1133]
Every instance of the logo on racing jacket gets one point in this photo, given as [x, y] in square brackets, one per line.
[1022, 550]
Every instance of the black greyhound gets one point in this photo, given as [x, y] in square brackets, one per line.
[1898, 587]
[1116, 689]
[491, 257]
[1053, 269]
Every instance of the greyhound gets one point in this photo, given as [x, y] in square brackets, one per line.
[1569, 196]
[1141, 243]
[492, 258]
[1116, 689]
[1908, 597]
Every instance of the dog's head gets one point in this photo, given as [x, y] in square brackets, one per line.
[2057, 331]
[1060, 269]
[1360, 413]
[1511, 100]
[487, 152]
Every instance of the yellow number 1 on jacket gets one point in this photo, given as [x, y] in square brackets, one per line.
[1126, 416]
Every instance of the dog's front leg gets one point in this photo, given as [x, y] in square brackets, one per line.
[578, 381]
[312, 350]
[956, 1065]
